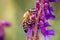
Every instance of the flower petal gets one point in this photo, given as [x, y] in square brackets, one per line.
[50, 9]
[50, 16]
[29, 31]
[50, 32]
[43, 30]
[47, 24]
[47, 37]
[53, 0]
[37, 5]
[29, 34]
[6, 24]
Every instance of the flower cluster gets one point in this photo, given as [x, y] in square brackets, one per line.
[38, 20]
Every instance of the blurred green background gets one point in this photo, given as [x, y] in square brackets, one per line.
[13, 10]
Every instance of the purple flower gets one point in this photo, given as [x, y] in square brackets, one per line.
[37, 5]
[2, 25]
[6, 24]
[50, 32]
[47, 37]
[46, 24]
[49, 13]
[44, 12]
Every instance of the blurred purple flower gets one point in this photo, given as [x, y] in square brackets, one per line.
[6, 24]
[2, 25]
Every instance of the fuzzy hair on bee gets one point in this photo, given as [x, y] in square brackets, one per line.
[26, 19]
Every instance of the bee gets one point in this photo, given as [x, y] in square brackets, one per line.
[26, 19]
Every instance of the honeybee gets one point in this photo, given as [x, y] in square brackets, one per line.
[26, 19]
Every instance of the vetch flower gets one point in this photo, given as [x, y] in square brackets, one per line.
[2, 25]
[37, 20]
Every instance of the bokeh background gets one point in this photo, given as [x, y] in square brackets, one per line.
[13, 10]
